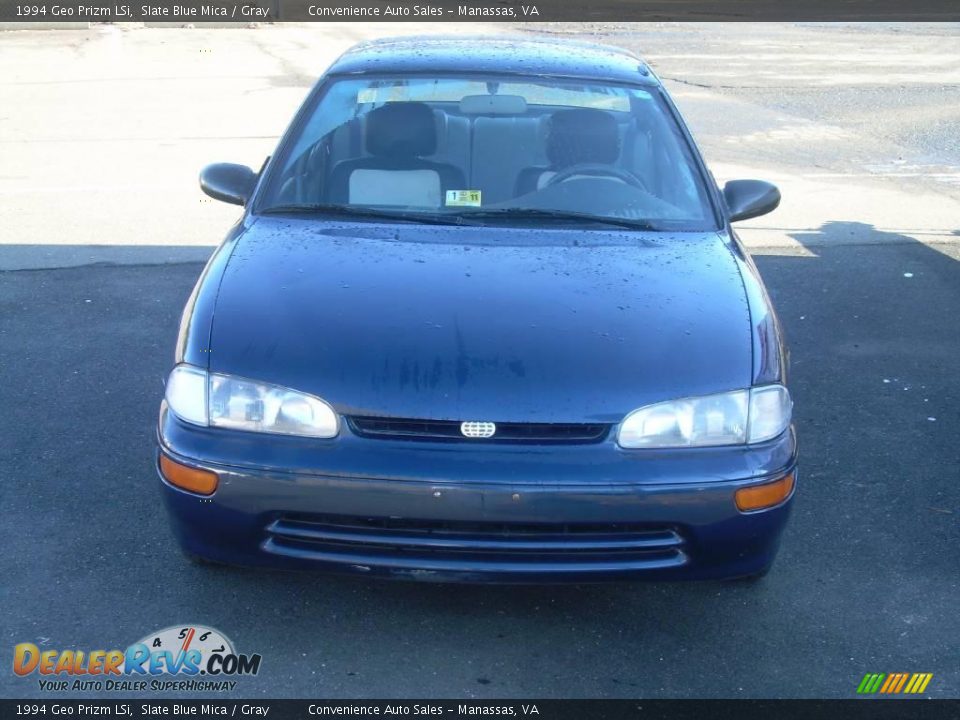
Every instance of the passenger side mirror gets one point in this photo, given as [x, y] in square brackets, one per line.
[228, 182]
[750, 198]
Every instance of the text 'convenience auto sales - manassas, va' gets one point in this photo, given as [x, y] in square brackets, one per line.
[198, 657]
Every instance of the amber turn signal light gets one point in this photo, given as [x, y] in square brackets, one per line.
[757, 497]
[202, 482]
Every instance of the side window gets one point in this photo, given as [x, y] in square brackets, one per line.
[324, 138]
[662, 158]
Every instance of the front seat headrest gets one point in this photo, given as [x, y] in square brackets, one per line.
[583, 135]
[401, 130]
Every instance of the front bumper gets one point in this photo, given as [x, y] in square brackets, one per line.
[458, 513]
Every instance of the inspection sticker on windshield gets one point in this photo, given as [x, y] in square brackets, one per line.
[463, 198]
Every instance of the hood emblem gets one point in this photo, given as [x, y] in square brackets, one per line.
[478, 429]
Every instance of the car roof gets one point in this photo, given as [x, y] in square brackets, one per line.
[514, 55]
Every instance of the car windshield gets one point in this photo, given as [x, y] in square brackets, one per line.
[490, 150]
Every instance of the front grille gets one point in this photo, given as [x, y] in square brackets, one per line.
[449, 430]
[453, 545]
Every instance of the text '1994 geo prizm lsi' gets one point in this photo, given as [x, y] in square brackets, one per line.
[484, 319]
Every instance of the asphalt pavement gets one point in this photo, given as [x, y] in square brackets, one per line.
[90, 296]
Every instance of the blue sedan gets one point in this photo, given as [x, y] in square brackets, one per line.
[483, 318]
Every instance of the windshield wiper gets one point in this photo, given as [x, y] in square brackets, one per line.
[450, 218]
[522, 212]
[336, 210]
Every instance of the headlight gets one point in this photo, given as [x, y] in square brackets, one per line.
[218, 400]
[187, 394]
[770, 411]
[733, 418]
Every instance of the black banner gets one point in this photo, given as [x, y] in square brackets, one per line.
[861, 709]
[245, 11]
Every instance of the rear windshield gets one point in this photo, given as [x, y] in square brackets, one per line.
[504, 149]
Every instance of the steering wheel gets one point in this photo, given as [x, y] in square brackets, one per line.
[596, 169]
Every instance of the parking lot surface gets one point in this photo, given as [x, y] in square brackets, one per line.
[106, 232]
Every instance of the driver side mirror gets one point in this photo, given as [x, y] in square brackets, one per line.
[228, 182]
[750, 198]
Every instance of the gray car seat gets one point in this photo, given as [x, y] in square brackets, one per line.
[398, 137]
[574, 137]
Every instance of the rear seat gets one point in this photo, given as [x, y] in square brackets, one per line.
[453, 142]
[502, 147]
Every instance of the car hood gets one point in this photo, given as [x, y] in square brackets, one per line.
[466, 323]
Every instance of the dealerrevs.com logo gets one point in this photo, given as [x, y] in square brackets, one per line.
[180, 658]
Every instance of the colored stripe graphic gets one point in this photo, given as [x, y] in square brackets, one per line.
[894, 683]
[892, 679]
[918, 683]
[870, 683]
[903, 680]
[901, 683]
